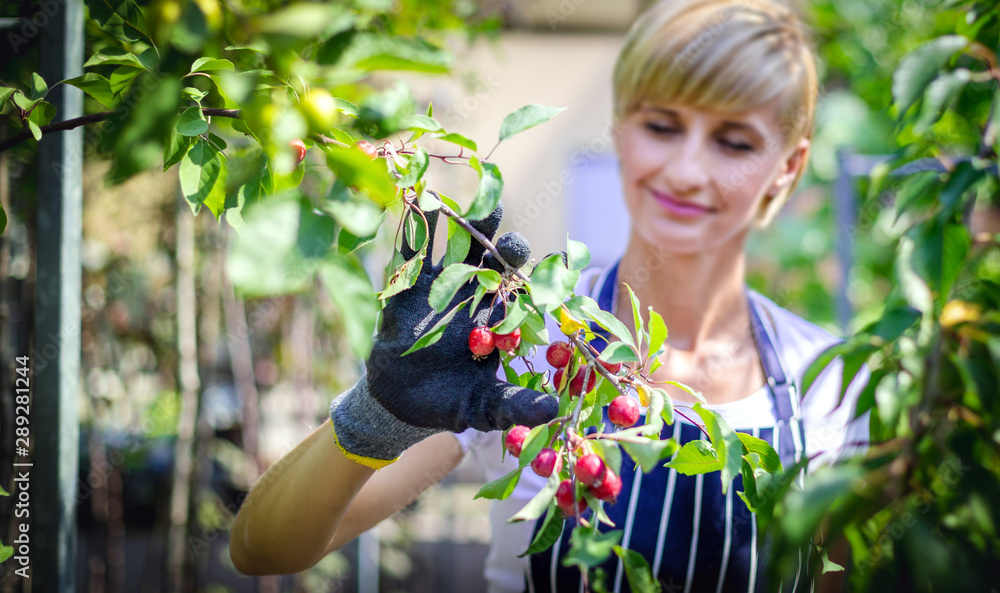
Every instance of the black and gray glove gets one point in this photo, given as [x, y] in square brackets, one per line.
[404, 399]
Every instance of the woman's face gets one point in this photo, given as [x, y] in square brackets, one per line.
[694, 180]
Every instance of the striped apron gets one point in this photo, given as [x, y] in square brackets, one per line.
[694, 538]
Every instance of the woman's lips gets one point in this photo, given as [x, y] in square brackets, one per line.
[680, 208]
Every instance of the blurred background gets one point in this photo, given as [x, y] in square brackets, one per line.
[266, 369]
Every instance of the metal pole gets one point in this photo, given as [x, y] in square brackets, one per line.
[845, 211]
[56, 359]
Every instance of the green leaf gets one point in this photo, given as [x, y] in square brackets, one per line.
[216, 200]
[577, 255]
[589, 547]
[939, 253]
[38, 87]
[488, 192]
[206, 64]
[829, 565]
[23, 101]
[769, 459]
[122, 77]
[637, 572]
[416, 169]
[606, 320]
[387, 112]
[500, 488]
[192, 122]
[551, 283]
[199, 172]
[400, 53]
[35, 130]
[459, 241]
[346, 107]
[691, 391]
[404, 277]
[305, 20]
[280, 246]
[640, 327]
[448, 283]
[533, 330]
[96, 86]
[5, 552]
[618, 352]
[42, 113]
[114, 56]
[727, 445]
[539, 502]
[526, 117]
[491, 279]
[434, 334]
[696, 457]
[424, 123]
[516, 314]
[460, 140]
[3, 225]
[538, 438]
[5, 93]
[351, 290]
[610, 452]
[355, 213]
[549, 533]
[649, 452]
[941, 93]
[657, 331]
[918, 68]
[356, 170]
[961, 180]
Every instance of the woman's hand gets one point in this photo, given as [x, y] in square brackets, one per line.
[443, 387]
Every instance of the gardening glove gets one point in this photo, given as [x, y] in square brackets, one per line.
[402, 400]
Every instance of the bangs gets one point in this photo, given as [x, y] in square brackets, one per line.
[718, 56]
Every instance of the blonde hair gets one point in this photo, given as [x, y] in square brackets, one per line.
[724, 56]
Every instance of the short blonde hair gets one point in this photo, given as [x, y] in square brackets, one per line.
[724, 56]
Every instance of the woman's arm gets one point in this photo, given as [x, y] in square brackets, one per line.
[307, 504]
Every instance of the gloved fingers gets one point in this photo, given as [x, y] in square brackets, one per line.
[487, 226]
[432, 218]
[503, 404]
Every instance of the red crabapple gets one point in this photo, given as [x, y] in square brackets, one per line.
[515, 439]
[566, 499]
[547, 462]
[576, 386]
[558, 354]
[481, 341]
[590, 469]
[609, 488]
[623, 411]
[300, 150]
[507, 342]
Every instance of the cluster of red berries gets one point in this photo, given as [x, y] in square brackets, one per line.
[590, 470]
[482, 341]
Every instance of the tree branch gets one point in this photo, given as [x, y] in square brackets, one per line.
[94, 118]
[476, 234]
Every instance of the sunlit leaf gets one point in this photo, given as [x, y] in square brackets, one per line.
[526, 117]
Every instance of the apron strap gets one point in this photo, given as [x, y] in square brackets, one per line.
[783, 392]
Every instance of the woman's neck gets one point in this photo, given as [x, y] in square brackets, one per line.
[700, 296]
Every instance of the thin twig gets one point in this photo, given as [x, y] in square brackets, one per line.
[582, 346]
[76, 122]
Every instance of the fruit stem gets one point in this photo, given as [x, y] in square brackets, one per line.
[582, 346]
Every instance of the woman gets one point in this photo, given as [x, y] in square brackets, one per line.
[714, 103]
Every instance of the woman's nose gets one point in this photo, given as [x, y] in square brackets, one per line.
[687, 170]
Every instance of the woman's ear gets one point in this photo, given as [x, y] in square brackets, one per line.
[793, 164]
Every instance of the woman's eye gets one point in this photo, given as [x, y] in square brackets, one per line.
[738, 146]
[659, 128]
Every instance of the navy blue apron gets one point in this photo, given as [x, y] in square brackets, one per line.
[694, 538]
